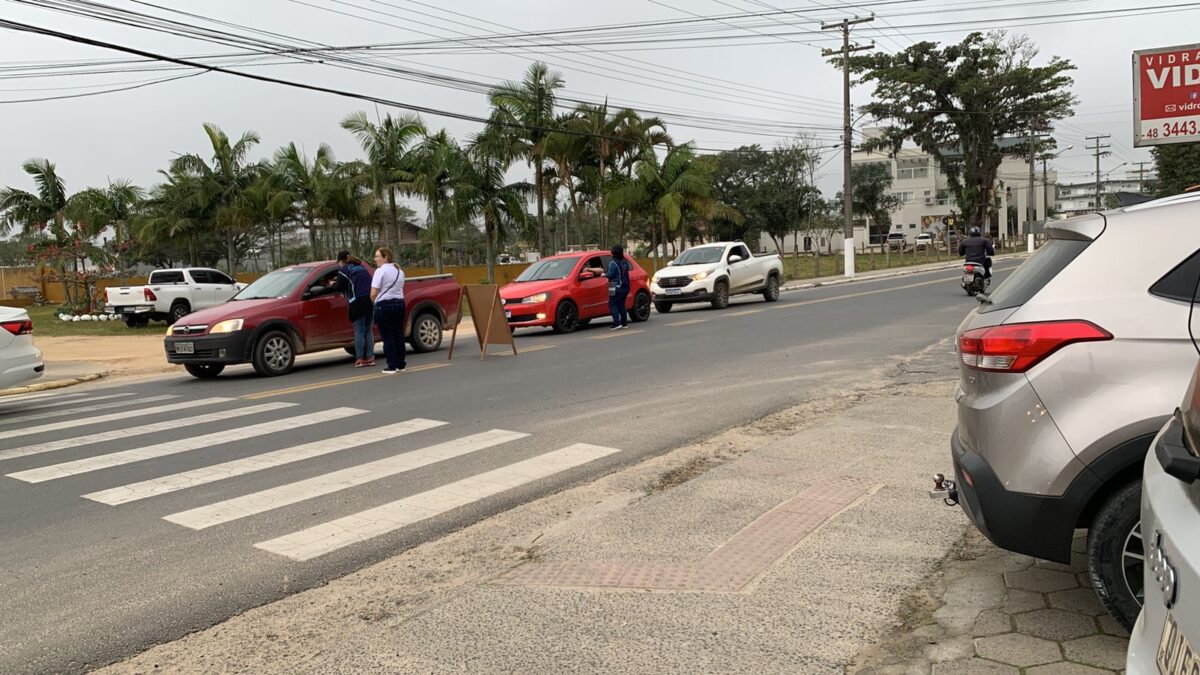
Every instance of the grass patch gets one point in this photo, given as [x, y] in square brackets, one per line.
[46, 324]
[810, 267]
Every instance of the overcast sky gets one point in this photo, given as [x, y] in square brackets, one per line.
[777, 81]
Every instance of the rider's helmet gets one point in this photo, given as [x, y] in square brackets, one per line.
[975, 232]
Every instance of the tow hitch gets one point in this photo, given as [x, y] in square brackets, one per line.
[944, 490]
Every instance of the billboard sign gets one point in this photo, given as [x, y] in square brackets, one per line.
[1166, 95]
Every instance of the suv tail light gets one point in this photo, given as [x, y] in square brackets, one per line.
[1015, 348]
[18, 327]
[150, 296]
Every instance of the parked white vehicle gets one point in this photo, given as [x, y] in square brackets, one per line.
[20, 361]
[170, 295]
[713, 272]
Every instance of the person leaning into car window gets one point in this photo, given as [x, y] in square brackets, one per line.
[387, 292]
[618, 288]
[354, 281]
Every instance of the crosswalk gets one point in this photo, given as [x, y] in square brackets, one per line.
[99, 441]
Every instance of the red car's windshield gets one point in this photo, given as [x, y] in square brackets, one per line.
[545, 270]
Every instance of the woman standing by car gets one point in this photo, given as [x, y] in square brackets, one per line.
[355, 282]
[387, 292]
[618, 288]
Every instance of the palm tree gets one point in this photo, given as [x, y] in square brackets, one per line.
[269, 202]
[114, 206]
[45, 209]
[636, 133]
[570, 154]
[484, 192]
[606, 140]
[307, 180]
[665, 190]
[435, 169]
[527, 107]
[387, 147]
[174, 211]
[222, 181]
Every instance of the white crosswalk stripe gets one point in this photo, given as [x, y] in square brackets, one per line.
[112, 417]
[259, 502]
[58, 402]
[11, 400]
[86, 411]
[209, 474]
[328, 537]
[130, 432]
[175, 447]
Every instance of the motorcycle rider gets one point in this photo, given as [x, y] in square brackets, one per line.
[978, 249]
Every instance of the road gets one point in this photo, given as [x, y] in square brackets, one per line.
[136, 514]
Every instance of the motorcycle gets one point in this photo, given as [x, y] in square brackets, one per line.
[973, 281]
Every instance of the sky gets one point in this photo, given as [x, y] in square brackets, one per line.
[759, 80]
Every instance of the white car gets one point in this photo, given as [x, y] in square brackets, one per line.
[169, 295]
[924, 241]
[713, 272]
[20, 361]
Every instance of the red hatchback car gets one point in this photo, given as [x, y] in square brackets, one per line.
[561, 293]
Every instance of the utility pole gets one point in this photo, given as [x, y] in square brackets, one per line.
[1100, 151]
[1141, 172]
[1031, 198]
[847, 137]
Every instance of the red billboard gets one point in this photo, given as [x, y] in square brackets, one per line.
[1166, 95]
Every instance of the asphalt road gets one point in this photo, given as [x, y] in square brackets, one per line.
[119, 530]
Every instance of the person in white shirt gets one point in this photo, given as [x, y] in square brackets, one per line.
[387, 293]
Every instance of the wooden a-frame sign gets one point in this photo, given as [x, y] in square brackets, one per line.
[487, 313]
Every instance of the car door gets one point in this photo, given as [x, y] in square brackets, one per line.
[199, 288]
[592, 293]
[741, 273]
[222, 287]
[325, 316]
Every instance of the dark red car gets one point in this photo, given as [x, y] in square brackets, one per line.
[292, 311]
[561, 293]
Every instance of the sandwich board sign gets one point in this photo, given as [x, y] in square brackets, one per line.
[487, 315]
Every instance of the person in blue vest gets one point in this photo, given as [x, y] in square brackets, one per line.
[355, 283]
[618, 288]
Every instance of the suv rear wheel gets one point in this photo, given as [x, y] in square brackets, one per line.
[1116, 554]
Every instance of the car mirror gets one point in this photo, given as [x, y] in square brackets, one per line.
[735, 258]
[587, 275]
[314, 291]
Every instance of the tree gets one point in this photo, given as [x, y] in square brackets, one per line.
[44, 213]
[485, 193]
[1177, 166]
[872, 196]
[221, 182]
[528, 108]
[957, 102]
[308, 181]
[387, 145]
[436, 168]
[114, 206]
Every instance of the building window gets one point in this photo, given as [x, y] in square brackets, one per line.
[905, 197]
[912, 226]
[909, 174]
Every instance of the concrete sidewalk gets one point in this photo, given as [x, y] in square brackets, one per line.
[782, 547]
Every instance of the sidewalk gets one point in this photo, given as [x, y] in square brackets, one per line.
[781, 547]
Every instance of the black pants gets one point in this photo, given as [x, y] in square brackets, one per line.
[389, 314]
[616, 307]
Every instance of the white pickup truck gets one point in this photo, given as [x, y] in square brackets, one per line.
[169, 295]
[713, 272]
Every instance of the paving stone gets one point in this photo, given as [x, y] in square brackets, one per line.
[966, 598]
[992, 622]
[1102, 651]
[1082, 600]
[1018, 650]
[1023, 601]
[953, 649]
[1078, 564]
[1065, 668]
[1109, 625]
[1055, 624]
[973, 667]
[1040, 580]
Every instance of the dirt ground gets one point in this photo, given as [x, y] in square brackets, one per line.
[68, 357]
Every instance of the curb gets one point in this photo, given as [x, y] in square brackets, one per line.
[889, 275]
[55, 384]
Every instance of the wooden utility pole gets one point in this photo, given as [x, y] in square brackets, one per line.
[1100, 151]
[847, 137]
[1141, 172]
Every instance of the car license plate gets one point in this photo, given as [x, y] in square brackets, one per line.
[1175, 654]
[185, 348]
[674, 291]
[128, 310]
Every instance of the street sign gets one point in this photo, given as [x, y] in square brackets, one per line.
[1166, 95]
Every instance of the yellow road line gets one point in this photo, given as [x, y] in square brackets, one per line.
[748, 311]
[616, 333]
[335, 383]
[688, 322]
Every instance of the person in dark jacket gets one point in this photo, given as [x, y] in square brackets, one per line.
[355, 283]
[978, 249]
[618, 288]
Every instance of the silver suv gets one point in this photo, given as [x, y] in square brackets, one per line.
[1166, 638]
[1068, 371]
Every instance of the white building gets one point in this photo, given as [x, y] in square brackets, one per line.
[1079, 198]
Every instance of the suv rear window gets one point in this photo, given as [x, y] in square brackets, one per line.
[1033, 276]
[1180, 283]
[169, 277]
